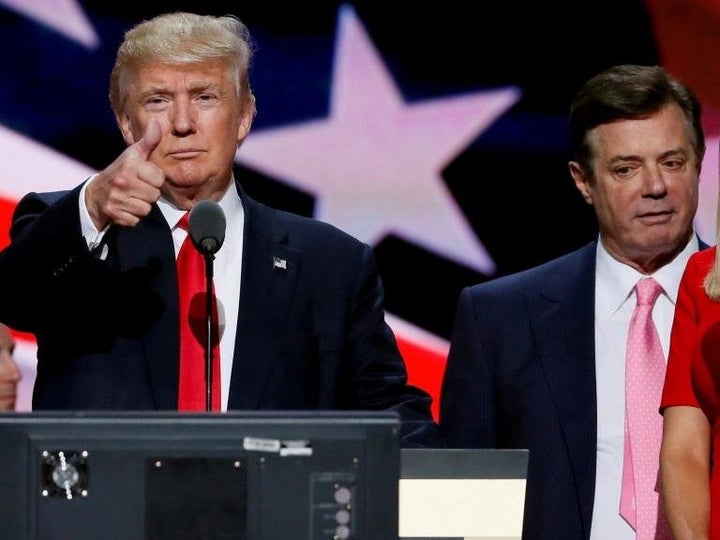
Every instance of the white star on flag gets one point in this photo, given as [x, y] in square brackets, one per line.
[64, 16]
[375, 164]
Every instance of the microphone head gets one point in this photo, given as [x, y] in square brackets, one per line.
[207, 226]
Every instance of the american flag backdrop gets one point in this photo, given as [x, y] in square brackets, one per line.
[436, 134]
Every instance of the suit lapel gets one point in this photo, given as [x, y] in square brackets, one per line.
[562, 312]
[269, 275]
[150, 240]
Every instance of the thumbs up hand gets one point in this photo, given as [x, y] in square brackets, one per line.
[123, 192]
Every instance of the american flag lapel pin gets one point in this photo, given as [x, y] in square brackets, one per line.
[279, 263]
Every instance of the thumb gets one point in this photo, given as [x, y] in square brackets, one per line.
[151, 138]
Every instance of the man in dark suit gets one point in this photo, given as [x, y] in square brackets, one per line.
[537, 359]
[91, 271]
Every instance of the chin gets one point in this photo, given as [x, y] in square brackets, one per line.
[187, 173]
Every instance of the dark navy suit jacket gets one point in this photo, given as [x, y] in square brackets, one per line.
[310, 335]
[521, 374]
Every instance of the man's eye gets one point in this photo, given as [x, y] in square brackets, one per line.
[673, 164]
[623, 171]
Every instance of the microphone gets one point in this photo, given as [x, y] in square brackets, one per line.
[207, 226]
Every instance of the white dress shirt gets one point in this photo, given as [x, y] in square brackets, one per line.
[614, 306]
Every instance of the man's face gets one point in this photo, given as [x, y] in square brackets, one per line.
[202, 118]
[645, 188]
[9, 371]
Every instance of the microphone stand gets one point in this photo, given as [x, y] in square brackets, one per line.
[207, 230]
[209, 293]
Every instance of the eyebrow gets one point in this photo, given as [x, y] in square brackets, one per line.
[193, 87]
[666, 154]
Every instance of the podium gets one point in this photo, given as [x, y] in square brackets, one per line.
[251, 475]
[470, 494]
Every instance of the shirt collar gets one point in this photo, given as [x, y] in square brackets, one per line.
[617, 279]
[230, 203]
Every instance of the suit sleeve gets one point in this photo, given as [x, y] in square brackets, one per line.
[466, 404]
[45, 241]
[52, 286]
[378, 372]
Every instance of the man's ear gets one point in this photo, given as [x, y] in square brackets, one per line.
[123, 122]
[247, 115]
[581, 181]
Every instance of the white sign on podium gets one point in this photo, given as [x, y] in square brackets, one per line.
[467, 494]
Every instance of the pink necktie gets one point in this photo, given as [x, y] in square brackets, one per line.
[640, 503]
[192, 392]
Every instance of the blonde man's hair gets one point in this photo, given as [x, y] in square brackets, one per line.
[183, 38]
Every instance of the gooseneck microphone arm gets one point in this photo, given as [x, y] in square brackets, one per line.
[207, 231]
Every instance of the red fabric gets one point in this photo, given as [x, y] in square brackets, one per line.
[693, 372]
[193, 330]
[425, 368]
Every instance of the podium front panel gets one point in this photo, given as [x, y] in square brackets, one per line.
[163, 476]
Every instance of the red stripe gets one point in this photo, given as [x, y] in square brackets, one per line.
[425, 369]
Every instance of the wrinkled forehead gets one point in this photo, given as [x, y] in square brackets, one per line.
[149, 76]
[663, 131]
[219, 69]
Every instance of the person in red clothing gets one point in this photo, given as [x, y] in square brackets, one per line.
[690, 485]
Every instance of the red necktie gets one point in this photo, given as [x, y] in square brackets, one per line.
[192, 391]
[640, 502]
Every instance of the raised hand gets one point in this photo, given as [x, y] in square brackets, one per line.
[125, 190]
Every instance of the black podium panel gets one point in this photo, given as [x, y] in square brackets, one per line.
[160, 476]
